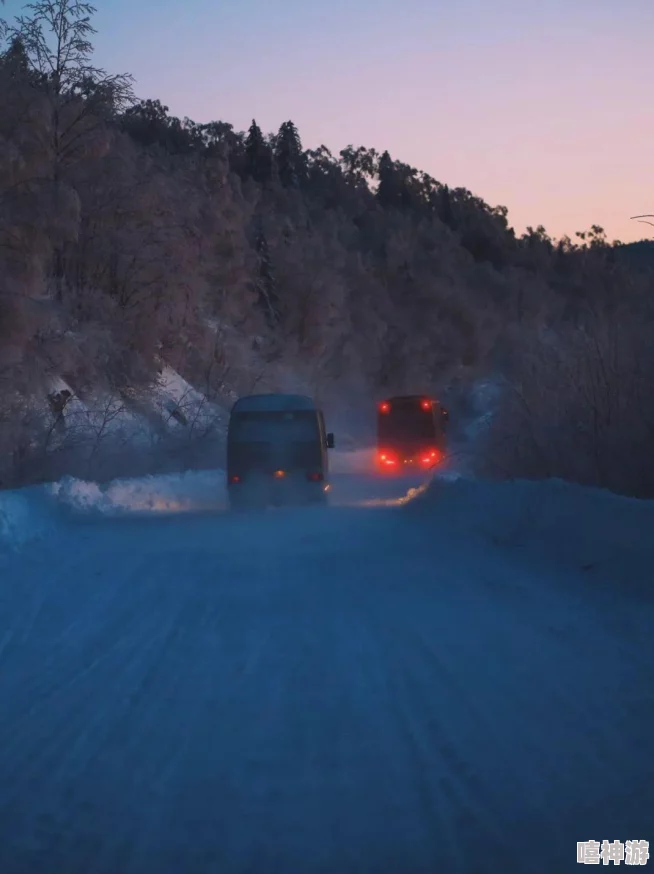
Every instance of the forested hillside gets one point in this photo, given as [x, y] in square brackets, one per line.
[132, 241]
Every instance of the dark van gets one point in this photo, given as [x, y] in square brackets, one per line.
[277, 451]
[410, 433]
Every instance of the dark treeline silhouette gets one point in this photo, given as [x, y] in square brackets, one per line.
[131, 239]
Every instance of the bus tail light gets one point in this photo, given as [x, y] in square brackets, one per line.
[430, 456]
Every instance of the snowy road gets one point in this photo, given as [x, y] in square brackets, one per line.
[350, 689]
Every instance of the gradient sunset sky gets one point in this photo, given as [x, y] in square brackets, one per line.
[544, 106]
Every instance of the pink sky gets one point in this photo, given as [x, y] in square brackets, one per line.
[544, 107]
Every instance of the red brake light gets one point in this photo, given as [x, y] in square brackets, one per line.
[385, 407]
[386, 458]
[426, 405]
[431, 456]
[315, 477]
[235, 479]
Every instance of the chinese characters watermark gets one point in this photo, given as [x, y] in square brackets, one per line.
[629, 852]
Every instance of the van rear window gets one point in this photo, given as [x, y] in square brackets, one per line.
[287, 425]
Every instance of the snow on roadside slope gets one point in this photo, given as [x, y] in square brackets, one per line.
[108, 419]
[94, 421]
[180, 406]
[557, 525]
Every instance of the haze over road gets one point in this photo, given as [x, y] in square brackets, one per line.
[349, 689]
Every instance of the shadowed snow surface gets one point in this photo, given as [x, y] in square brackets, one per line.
[462, 684]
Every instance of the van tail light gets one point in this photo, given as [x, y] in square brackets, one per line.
[384, 407]
[387, 459]
[425, 404]
[235, 479]
[315, 477]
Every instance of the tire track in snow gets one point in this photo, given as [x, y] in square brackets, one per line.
[301, 692]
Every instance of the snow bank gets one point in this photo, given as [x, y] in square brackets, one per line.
[557, 524]
[552, 524]
[193, 491]
[484, 399]
[469, 424]
[26, 516]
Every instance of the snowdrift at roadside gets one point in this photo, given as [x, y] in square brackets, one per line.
[193, 491]
[559, 525]
[27, 515]
[553, 525]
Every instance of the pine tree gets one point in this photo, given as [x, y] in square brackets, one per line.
[289, 157]
[258, 155]
[15, 61]
[388, 189]
[446, 212]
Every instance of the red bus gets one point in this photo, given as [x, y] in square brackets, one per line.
[410, 433]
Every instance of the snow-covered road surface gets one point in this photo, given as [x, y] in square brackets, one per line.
[354, 689]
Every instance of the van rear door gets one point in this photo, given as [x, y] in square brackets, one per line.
[267, 441]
